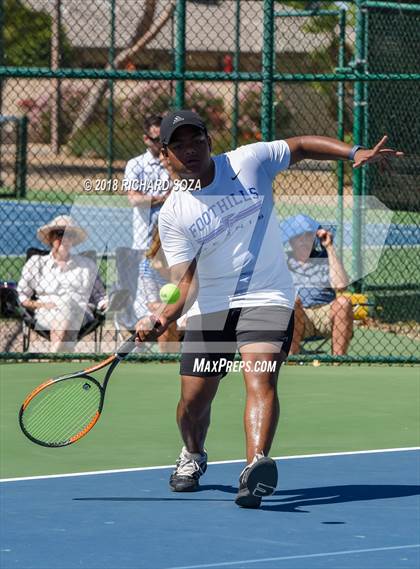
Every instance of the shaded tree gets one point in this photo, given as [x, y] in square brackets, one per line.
[27, 37]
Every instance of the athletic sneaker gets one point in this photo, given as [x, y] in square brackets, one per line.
[258, 479]
[189, 467]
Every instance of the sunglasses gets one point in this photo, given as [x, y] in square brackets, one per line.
[59, 234]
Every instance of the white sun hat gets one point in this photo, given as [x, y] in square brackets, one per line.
[66, 223]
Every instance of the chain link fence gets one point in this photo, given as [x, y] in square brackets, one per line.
[76, 87]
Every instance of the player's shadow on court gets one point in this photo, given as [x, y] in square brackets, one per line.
[177, 496]
[295, 500]
[292, 500]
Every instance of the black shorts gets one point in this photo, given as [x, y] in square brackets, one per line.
[212, 339]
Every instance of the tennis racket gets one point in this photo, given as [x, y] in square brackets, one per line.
[64, 409]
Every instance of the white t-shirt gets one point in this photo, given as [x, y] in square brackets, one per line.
[233, 222]
[148, 170]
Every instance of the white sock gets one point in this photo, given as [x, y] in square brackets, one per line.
[192, 455]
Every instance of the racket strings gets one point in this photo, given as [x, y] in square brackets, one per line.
[67, 416]
[42, 429]
[62, 410]
[52, 403]
[51, 432]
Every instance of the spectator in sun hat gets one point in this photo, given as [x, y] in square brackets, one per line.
[61, 288]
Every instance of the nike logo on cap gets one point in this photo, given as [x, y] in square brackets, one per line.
[235, 176]
[177, 119]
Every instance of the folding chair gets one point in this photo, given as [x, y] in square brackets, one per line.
[363, 307]
[8, 303]
[127, 263]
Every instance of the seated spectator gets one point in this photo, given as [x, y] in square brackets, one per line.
[318, 275]
[61, 288]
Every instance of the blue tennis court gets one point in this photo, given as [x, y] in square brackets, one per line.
[22, 219]
[354, 510]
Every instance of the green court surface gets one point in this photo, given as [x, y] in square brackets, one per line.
[324, 409]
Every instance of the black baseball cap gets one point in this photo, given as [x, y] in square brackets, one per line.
[175, 119]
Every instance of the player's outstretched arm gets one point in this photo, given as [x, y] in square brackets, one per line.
[325, 148]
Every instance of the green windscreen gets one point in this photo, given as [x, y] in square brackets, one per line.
[392, 46]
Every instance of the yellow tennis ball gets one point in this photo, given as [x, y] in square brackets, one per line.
[169, 293]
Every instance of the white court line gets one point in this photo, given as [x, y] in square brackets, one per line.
[289, 557]
[141, 468]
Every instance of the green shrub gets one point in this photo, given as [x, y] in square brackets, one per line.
[27, 36]
[147, 98]
[92, 141]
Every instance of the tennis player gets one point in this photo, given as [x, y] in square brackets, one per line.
[223, 244]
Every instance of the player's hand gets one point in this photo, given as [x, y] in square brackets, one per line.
[150, 327]
[379, 154]
[325, 237]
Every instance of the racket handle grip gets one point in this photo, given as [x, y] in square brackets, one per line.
[127, 347]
